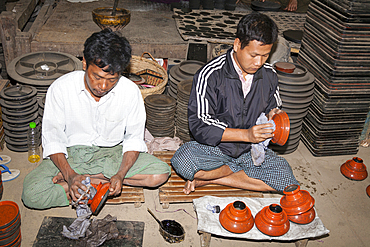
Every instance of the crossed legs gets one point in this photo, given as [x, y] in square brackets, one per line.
[224, 176]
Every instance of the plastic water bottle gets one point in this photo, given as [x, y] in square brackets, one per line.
[33, 142]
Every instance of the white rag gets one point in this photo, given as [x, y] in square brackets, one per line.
[258, 150]
[161, 143]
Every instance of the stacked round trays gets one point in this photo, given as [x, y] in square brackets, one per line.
[296, 87]
[181, 72]
[40, 69]
[19, 107]
[10, 222]
[160, 115]
[41, 103]
[182, 123]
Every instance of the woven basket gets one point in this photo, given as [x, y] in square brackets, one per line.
[138, 64]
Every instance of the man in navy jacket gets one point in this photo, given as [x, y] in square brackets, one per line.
[228, 95]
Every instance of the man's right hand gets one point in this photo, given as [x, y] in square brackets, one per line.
[73, 179]
[74, 183]
[256, 134]
[260, 133]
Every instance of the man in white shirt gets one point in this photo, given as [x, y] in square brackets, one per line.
[93, 126]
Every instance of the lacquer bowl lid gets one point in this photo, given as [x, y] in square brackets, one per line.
[282, 128]
[354, 169]
[100, 197]
[236, 217]
[272, 220]
[296, 201]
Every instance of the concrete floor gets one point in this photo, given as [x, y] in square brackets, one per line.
[341, 204]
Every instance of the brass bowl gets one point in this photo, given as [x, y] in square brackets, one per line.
[104, 19]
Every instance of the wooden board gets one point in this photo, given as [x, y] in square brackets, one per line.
[172, 191]
[130, 234]
[129, 195]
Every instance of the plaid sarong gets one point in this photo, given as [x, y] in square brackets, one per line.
[192, 157]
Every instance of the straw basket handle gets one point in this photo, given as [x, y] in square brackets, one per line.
[150, 55]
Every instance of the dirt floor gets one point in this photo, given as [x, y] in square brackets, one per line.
[341, 204]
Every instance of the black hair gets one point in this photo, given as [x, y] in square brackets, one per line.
[106, 48]
[256, 26]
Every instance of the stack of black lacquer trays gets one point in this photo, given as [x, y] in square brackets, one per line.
[336, 50]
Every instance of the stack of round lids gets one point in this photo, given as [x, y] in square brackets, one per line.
[10, 222]
[182, 123]
[40, 69]
[335, 49]
[181, 72]
[19, 107]
[160, 115]
[296, 87]
[41, 103]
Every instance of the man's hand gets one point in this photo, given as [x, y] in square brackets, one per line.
[72, 178]
[74, 183]
[292, 6]
[115, 185]
[259, 133]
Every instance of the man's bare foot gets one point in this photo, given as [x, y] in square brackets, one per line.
[191, 185]
[58, 178]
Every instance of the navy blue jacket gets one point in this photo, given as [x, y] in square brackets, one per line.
[217, 102]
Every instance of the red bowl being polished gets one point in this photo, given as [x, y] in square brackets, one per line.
[296, 201]
[236, 217]
[354, 169]
[272, 220]
[100, 197]
[282, 128]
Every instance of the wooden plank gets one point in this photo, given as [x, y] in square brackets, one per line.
[172, 191]
[23, 10]
[23, 43]
[8, 27]
[128, 195]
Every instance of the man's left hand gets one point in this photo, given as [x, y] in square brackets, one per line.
[115, 185]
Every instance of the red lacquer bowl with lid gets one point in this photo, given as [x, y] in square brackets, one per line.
[282, 128]
[236, 217]
[102, 191]
[272, 220]
[354, 169]
[296, 201]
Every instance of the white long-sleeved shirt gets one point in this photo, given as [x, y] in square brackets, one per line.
[72, 116]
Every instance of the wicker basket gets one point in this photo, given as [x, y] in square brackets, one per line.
[138, 64]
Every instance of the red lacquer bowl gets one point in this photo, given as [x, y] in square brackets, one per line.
[354, 169]
[368, 190]
[304, 218]
[285, 67]
[236, 217]
[296, 201]
[282, 128]
[272, 221]
[100, 197]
